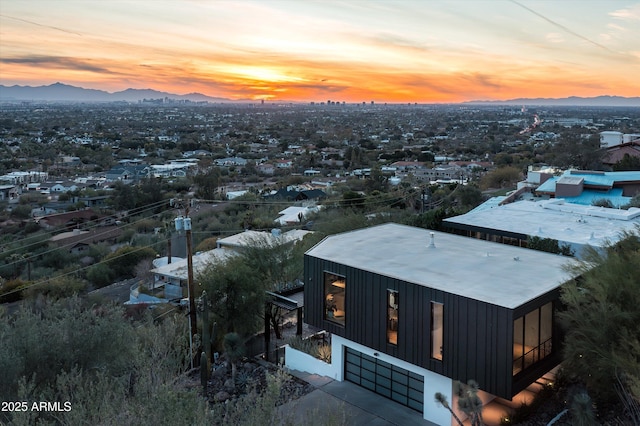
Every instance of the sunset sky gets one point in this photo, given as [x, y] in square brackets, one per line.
[350, 50]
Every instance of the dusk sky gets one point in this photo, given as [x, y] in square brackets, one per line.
[350, 50]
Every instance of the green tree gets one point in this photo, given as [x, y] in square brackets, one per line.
[124, 197]
[57, 287]
[21, 212]
[207, 183]
[353, 199]
[278, 264]
[100, 275]
[468, 402]
[601, 319]
[548, 245]
[124, 260]
[627, 163]
[500, 178]
[236, 295]
[467, 197]
[275, 262]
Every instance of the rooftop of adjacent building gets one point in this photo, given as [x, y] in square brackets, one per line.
[555, 218]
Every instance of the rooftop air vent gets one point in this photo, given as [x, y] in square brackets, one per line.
[432, 243]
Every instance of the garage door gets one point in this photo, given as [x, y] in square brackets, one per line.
[396, 383]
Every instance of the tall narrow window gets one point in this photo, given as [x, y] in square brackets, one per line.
[532, 337]
[392, 317]
[334, 295]
[437, 330]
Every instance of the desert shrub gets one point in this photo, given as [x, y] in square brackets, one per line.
[100, 275]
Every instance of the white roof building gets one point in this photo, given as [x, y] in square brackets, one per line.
[464, 266]
[575, 225]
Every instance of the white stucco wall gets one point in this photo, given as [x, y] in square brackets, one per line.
[297, 360]
[433, 382]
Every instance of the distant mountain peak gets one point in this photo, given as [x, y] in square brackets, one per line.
[63, 92]
[603, 100]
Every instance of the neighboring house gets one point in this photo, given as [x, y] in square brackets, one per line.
[64, 186]
[129, 173]
[536, 177]
[68, 219]
[410, 311]
[284, 164]
[231, 161]
[265, 168]
[616, 153]
[70, 161]
[173, 169]
[586, 187]
[197, 153]
[573, 225]
[248, 238]
[295, 215]
[609, 139]
[78, 241]
[97, 201]
[16, 178]
[9, 192]
[292, 194]
[173, 276]
[409, 166]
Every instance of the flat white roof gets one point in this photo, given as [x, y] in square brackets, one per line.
[290, 214]
[248, 238]
[566, 222]
[494, 273]
[178, 268]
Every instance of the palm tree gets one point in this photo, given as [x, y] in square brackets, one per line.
[468, 402]
[234, 348]
[442, 400]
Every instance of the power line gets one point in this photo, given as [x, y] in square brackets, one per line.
[53, 232]
[337, 203]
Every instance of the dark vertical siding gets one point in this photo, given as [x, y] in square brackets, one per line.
[478, 337]
[482, 340]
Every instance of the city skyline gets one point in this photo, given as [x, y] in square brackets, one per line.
[353, 51]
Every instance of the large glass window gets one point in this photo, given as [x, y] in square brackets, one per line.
[392, 317]
[532, 337]
[437, 330]
[334, 292]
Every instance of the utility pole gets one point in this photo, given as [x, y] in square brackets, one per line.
[185, 223]
[192, 298]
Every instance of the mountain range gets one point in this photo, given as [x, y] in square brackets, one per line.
[60, 92]
[67, 93]
[605, 101]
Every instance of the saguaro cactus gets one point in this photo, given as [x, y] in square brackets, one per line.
[204, 372]
[206, 336]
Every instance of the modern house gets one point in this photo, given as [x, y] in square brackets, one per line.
[410, 311]
[575, 226]
[587, 187]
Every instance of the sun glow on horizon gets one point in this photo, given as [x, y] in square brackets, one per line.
[396, 51]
